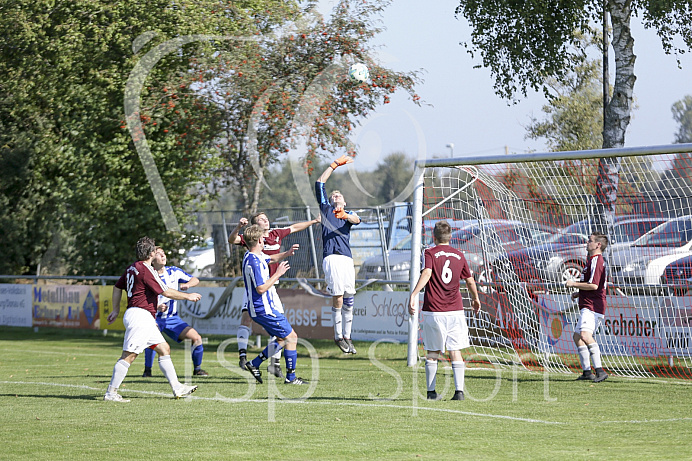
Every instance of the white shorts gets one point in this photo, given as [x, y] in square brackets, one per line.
[141, 330]
[340, 275]
[588, 321]
[445, 331]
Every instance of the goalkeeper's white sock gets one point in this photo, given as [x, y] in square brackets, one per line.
[431, 373]
[168, 370]
[119, 373]
[595, 352]
[458, 369]
[584, 358]
[337, 323]
[347, 313]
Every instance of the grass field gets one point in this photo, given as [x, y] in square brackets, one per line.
[52, 384]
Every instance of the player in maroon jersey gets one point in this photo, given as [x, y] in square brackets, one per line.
[592, 306]
[143, 287]
[444, 321]
[272, 246]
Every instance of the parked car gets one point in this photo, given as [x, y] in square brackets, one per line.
[643, 262]
[200, 259]
[678, 275]
[559, 259]
[499, 235]
[484, 244]
[564, 256]
[400, 255]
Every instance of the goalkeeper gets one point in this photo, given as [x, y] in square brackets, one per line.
[339, 272]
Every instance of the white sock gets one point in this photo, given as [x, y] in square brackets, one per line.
[584, 358]
[243, 336]
[337, 323]
[168, 370]
[347, 313]
[595, 352]
[119, 373]
[458, 369]
[277, 354]
[431, 373]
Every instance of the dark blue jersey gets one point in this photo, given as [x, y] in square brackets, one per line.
[335, 232]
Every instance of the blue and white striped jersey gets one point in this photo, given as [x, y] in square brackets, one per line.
[172, 277]
[256, 273]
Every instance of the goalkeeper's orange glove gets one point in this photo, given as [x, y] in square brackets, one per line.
[340, 214]
[343, 160]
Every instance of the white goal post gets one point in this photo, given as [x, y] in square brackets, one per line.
[522, 221]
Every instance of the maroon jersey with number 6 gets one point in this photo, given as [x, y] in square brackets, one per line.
[142, 285]
[448, 266]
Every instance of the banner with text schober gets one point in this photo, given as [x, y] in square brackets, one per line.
[630, 326]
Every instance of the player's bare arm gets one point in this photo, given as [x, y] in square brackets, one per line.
[194, 281]
[581, 285]
[422, 281]
[281, 256]
[180, 296]
[297, 227]
[117, 296]
[280, 270]
[473, 290]
[234, 238]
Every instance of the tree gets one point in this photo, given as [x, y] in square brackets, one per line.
[682, 113]
[677, 180]
[73, 180]
[291, 85]
[526, 43]
[393, 175]
[574, 115]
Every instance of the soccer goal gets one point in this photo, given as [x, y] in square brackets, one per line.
[523, 222]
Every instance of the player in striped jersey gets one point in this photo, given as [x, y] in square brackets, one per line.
[272, 246]
[167, 317]
[262, 301]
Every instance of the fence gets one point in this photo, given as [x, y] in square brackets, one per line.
[381, 228]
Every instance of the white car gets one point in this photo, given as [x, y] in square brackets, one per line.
[644, 262]
[201, 259]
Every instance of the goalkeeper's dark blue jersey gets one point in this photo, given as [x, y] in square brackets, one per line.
[335, 232]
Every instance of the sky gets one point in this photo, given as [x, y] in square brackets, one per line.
[466, 113]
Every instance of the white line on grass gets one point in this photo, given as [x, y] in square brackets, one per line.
[353, 404]
[223, 399]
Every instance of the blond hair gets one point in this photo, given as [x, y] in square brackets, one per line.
[252, 235]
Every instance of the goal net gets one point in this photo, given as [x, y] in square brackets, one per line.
[523, 226]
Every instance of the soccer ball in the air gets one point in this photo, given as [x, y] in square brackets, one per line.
[358, 72]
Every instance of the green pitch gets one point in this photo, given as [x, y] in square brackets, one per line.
[367, 406]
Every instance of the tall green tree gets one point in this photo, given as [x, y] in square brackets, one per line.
[73, 178]
[526, 43]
